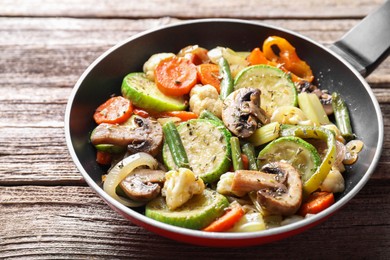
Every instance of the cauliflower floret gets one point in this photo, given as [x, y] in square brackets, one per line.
[334, 182]
[205, 97]
[224, 185]
[151, 64]
[180, 186]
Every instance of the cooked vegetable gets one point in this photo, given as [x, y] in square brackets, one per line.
[334, 182]
[226, 84]
[183, 115]
[316, 202]
[208, 74]
[289, 115]
[207, 146]
[257, 57]
[205, 98]
[278, 186]
[236, 60]
[275, 85]
[241, 112]
[138, 134]
[287, 57]
[180, 186]
[116, 110]
[151, 64]
[312, 108]
[236, 154]
[249, 151]
[175, 76]
[195, 54]
[265, 134]
[145, 94]
[232, 215]
[328, 160]
[121, 170]
[175, 144]
[352, 150]
[341, 115]
[143, 184]
[294, 150]
[103, 158]
[250, 222]
[205, 114]
[197, 213]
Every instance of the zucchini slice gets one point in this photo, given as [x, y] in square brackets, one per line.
[276, 86]
[207, 144]
[296, 151]
[196, 213]
[145, 94]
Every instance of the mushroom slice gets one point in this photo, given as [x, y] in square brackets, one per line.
[138, 134]
[279, 201]
[241, 112]
[143, 184]
[278, 186]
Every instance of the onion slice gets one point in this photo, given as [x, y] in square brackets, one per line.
[121, 170]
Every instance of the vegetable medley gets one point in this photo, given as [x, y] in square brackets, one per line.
[220, 140]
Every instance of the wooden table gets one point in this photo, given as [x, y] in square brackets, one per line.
[46, 209]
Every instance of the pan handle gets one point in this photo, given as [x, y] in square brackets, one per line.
[367, 44]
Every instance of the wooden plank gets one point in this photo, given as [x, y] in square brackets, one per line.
[72, 222]
[189, 8]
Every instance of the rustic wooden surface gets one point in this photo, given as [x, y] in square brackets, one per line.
[46, 209]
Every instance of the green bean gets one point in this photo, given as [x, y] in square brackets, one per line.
[341, 115]
[249, 150]
[227, 86]
[205, 114]
[236, 153]
[172, 137]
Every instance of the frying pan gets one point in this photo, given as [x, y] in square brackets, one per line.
[339, 68]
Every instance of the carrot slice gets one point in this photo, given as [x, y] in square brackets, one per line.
[103, 158]
[175, 76]
[208, 73]
[245, 161]
[317, 202]
[115, 110]
[226, 221]
[183, 115]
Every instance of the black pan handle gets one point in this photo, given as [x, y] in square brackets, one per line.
[367, 44]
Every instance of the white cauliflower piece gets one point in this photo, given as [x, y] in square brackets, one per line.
[180, 186]
[205, 97]
[224, 185]
[334, 182]
[151, 64]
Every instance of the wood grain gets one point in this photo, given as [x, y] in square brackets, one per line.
[29, 227]
[46, 209]
[188, 8]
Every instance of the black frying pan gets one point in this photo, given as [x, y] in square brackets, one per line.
[338, 69]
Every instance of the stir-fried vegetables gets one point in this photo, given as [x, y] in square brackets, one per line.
[225, 141]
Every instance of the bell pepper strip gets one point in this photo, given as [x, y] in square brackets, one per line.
[183, 115]
[208, 73]
[233, 214]
[140, 112]
[115, 110]
[227, 86]
[287, 57]
[316, 202]
[257, 57]
[175, 76]
[313, 183]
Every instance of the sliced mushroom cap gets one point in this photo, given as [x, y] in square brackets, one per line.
[278, 186]
[285, 202]
[138, 134]
[143, 184]
[241, 112]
